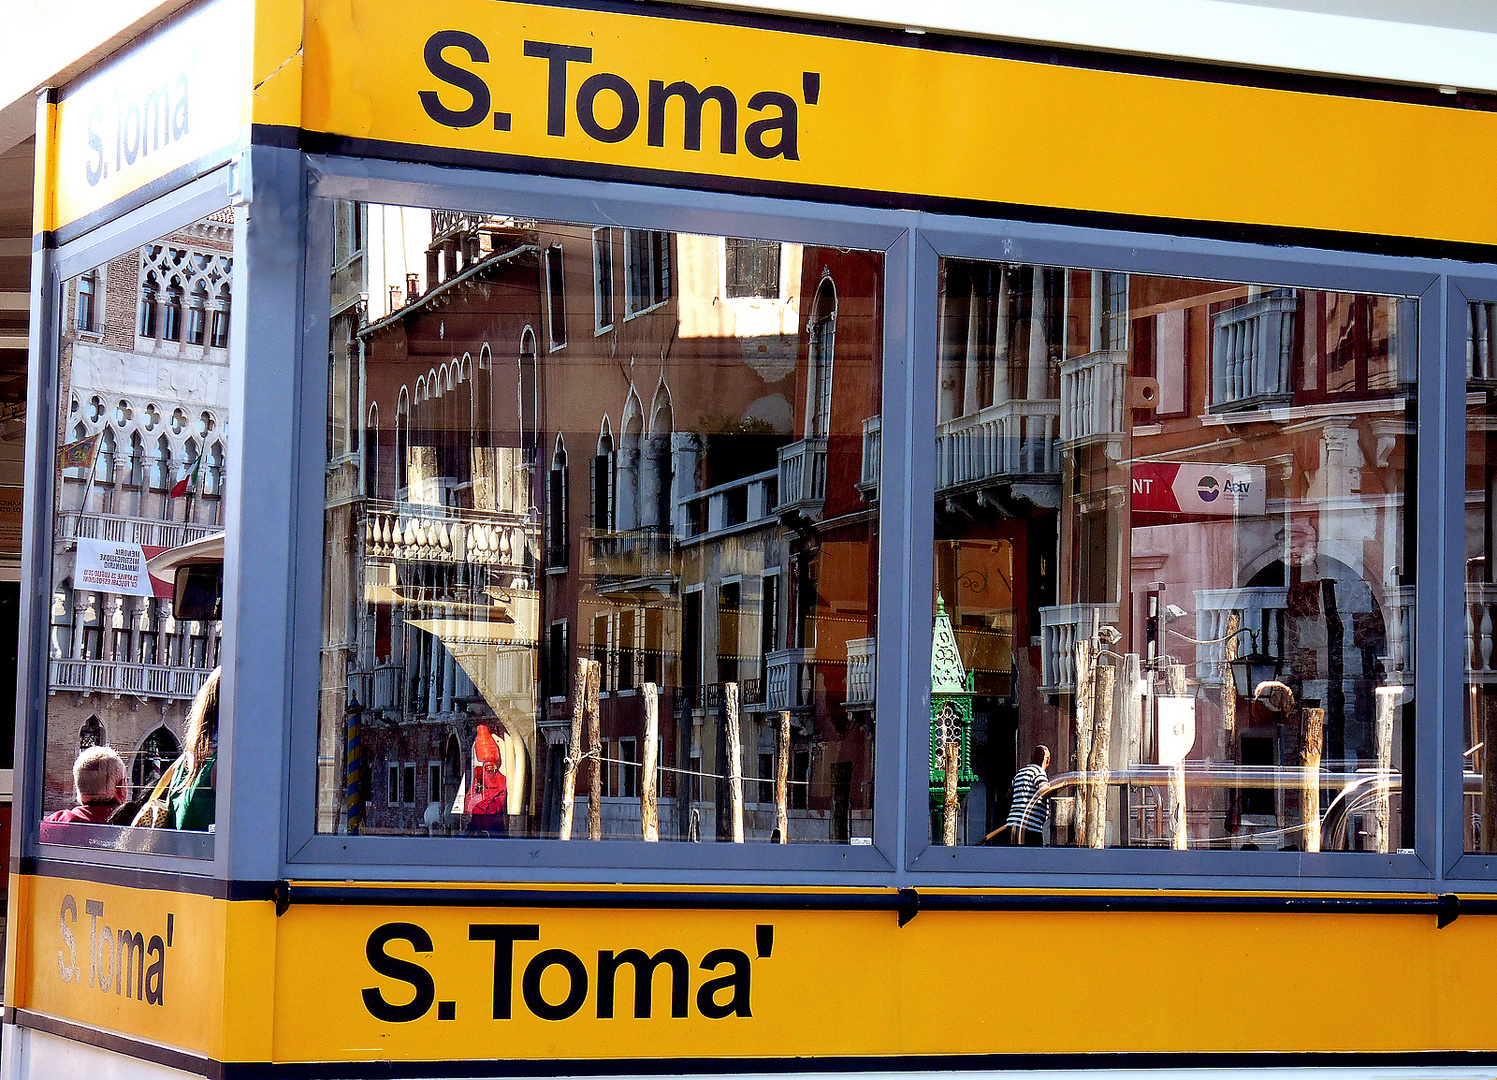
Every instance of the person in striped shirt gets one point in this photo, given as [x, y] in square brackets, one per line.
[1028, 810]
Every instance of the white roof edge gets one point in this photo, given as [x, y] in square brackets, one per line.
[1256, 35]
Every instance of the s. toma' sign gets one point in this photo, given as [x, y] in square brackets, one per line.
[605, 105]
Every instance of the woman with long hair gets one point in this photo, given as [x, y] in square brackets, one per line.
[192, 797]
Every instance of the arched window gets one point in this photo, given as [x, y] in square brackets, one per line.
[150, 291]
[402, 439]
[213, 475]
[171, 321]
[219, 337]
[557, 547]
[371, 446]
[527, 392]
[656, 468]
[601, 481]
[626, 515]
[187, 464]
[155, 755]
[137, 461]
[161, 465]
[91, 734]
[819, 376]
[104, 470]
[77, 472]
[61, 645]
[197, 315]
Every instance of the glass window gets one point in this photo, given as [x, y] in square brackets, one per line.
[1171, 623]
[603, 278]
[1479, 811]
[88, 285]
[751, 269]
[485, 602]
[129, 489]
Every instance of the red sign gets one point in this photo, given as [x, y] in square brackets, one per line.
[1182, 487]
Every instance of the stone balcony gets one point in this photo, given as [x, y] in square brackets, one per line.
[1252, 347]
[1011, 440]
[873, 454]
[791, 680]
[732, 507]
[803, 478]
[861, 672]
[119, 679]
[417, 532]
[1093, 396]
[118, 529]
[1060, 629]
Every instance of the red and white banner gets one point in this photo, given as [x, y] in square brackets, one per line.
[1182, 487]
[106, 566]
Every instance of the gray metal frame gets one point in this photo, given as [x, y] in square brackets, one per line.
[914, 243]
[192, 853]
[275, 511]
[444, 858]
[1303, 267]
[1468, 870]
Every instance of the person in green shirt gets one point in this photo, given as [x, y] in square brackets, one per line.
[191, 798]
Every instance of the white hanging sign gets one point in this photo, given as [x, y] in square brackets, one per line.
[1176, 718]
[110, 567]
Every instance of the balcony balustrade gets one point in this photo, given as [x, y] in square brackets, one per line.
[1265, 610]
[861, 672]
[415, 532]
[141, 680]
[1060, 629]
[1093, 396]
[117, 529]
[1252, 348]
[873, 454]
[803, 478]
[726, 507]
[792, 679]
[1009, 440]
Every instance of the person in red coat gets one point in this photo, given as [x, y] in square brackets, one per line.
[99, 782]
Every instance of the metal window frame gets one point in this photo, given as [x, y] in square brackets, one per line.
[308, 854]
[268, 768]
[1464, 869]
[195, 855]
[1076, 247]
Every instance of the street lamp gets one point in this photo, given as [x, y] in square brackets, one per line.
[1252, 670]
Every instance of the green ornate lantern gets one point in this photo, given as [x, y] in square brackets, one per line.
[951, 694]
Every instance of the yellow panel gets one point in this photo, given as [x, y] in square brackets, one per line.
[234, 982]
[856, 984]
[891, 118]
[179, 98]
[77, 936]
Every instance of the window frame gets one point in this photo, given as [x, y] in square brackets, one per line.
[912, 245]
[1133, 253]
[575, 202]
[85, 246]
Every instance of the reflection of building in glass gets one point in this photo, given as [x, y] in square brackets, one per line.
[143, 385]
[609, 444]
[1227, 456]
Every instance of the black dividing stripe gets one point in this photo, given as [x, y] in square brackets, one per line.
[313, 142]
[1071, 56]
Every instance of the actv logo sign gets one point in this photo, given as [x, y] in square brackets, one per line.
[1190, 488]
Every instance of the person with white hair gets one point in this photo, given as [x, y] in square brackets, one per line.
[99, 782]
